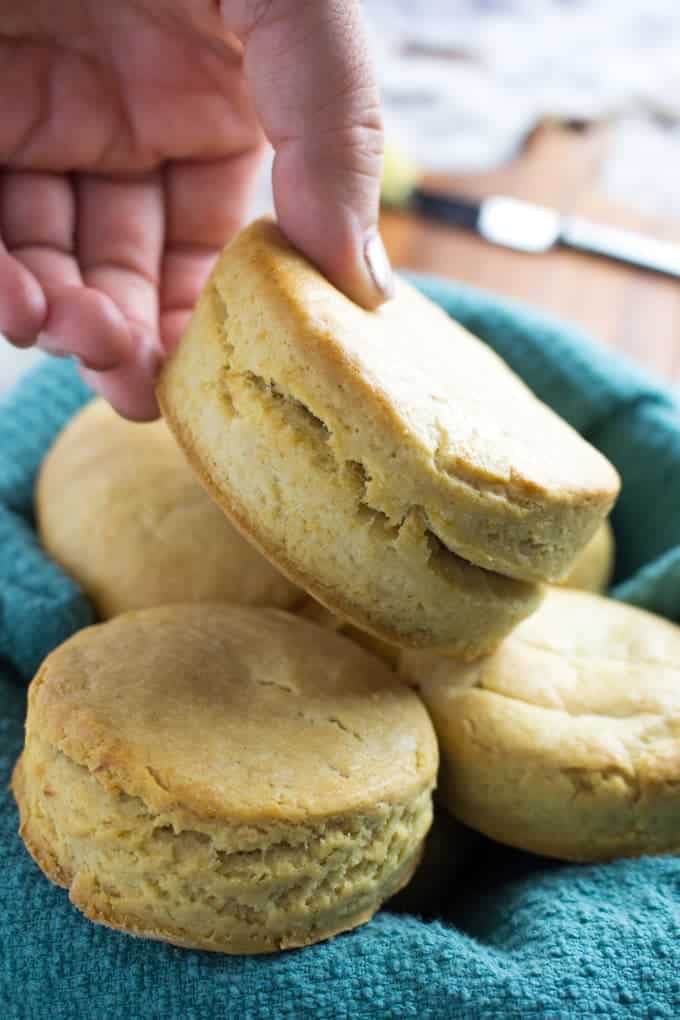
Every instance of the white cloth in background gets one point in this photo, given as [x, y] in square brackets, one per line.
[13, 363]
[464, 81]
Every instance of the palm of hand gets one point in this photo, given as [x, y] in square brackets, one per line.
[127, 164]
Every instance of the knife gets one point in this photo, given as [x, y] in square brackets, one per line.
[525, 226]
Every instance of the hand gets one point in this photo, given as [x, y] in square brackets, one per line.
[130, 135]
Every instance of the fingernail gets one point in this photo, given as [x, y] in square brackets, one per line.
[149, 354]
[379, 265]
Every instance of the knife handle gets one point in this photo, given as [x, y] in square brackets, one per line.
[454, 212]
[621, 245]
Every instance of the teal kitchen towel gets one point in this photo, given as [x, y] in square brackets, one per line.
[516, 937]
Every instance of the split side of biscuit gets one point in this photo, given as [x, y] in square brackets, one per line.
[388, 462]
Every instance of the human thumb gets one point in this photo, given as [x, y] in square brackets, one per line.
[309, 71]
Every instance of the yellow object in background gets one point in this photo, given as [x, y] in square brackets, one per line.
[400, 176]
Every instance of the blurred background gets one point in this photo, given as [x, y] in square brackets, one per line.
[571, 103]
[466, 81]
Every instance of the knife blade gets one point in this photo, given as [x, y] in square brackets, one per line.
[529, 227]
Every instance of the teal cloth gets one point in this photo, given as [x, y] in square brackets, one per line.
[518, 936]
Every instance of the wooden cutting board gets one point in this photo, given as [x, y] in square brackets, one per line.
[633, 311]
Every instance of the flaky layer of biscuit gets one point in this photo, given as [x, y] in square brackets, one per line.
[438, 424]
[227, 888]
[267, 460]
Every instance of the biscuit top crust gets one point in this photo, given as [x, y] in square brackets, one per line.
[403, 379]
[581, 655]
[233, 713]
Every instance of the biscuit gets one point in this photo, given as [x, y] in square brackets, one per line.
[566, 741]
[389, 462]
[314, 611]
[121, 511]
[224, 778]
[593, 567]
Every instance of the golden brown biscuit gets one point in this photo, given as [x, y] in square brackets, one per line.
[120, 510]
[224, 778]
[376, 456]
[314, 611]
[593, 567]
[565, 741]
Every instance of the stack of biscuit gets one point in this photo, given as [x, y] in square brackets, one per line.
[335, 562]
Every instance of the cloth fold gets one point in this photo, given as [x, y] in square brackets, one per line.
[516, 936]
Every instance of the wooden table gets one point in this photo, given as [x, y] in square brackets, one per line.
[634, 311]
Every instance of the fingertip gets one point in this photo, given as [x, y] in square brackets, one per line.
[354, 262]
[23, 306]
[130, 386]
[173, 325]
[117, 360]
[340, 237]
